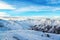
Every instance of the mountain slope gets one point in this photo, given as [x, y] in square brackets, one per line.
[30, 29]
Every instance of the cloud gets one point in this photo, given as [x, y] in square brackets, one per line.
[31, 8]
[37, 9]
[56, 9]
[4, 5]
[53, 1]
[48, 2]
[4, 14]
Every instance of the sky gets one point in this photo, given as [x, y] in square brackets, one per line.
[30, 8]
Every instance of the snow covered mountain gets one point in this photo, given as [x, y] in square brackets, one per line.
[29, 28]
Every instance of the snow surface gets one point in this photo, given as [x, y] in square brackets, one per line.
[22, 29]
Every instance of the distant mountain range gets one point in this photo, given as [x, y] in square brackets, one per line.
[29, 28]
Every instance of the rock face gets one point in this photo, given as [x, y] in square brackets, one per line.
[48, 29]
[48, 25]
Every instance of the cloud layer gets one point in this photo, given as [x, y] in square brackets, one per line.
[4, 14]
[37, 9]
[4, 5]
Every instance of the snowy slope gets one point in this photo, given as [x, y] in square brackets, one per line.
[30, 29]
[27, 35]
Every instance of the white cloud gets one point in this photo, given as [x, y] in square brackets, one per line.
[53, 2]
[32, 8]
[56, 9]
[4, 14]
[4, 5]
[37, 8]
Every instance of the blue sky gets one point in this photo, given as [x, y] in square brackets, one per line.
[30, 8]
